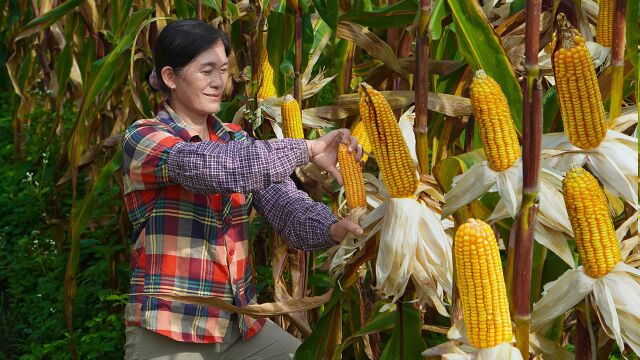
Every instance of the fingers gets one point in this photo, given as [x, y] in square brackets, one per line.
[354, 228]
[336, 174]
[359, 153]
[353, 144]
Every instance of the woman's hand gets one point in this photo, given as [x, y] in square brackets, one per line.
[324, 150]
[343, 227]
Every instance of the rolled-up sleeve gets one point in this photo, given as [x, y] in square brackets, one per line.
[304, 223]
[243, 167]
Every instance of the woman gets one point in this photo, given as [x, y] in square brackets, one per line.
[189, 184]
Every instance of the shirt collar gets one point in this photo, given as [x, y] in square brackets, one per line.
[185, 131]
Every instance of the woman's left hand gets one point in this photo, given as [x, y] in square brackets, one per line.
[324, 150]
[343, 227]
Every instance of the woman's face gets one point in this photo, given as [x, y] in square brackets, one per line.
[198, 87]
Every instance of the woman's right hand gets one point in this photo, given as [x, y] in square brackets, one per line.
[323, 151]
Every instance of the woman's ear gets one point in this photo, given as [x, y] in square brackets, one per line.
[168, 77]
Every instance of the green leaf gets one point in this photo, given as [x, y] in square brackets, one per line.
[407, 334]
[184, 9]
[438, 13]
[550, 108]
[279, 40]
[399, 14]
[482, 49]
[444, 171]
[315, 345]
[48, 18]
[327, 9]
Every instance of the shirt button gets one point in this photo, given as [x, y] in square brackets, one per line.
[228, 221]
[231, 252]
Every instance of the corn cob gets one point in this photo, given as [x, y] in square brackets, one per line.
[580, 99]
[595, 236]
[390, 148]
[360, 133]
[291, 118]
[352, 178]
[481, 284]
[491, 111]
[266, 88]
[604, 30]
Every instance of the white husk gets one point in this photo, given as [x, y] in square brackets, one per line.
[398, 241]
[558, 300]
[469, 186]
[538, 344]
[502, 351]
[614, 161]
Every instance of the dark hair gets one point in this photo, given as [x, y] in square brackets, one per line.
[181, 41]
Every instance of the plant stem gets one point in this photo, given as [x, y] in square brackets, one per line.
[297, 83]
[526, 220]
[421, 86]
[617, 58]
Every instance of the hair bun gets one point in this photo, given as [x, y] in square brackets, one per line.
[153, 80]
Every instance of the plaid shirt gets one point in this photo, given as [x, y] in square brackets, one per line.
[189, 202]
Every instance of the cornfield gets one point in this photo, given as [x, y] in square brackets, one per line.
[498, 192]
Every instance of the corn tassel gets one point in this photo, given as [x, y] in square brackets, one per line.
[390, 148]
[352, 178]
[580, 99]
[481, 284]
[360, 133]
[266, 88]
[493, 117]
[595, 236]
[604, 30]
[291, 118]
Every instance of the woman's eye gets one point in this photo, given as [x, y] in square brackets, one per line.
[223, 70]
[206, 72]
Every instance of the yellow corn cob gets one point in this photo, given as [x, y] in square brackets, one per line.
[360, 133]
[352, 178]
[580, 100]
[266, 88]
[596, 240]
[481, 284]
[604, 30]
[492, 115]
[390, 148]
[291, 118]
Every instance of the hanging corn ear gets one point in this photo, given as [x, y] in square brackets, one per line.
[390, 148]
[352, 178]
[580, 100]
[291, 118]
[483, 294]
[491, 111]
[360, 133]
[266, 78]
[595, 236]
[604, 30]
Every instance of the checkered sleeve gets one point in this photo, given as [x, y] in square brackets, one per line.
[238, 166]
[303, 222]
[146, 147]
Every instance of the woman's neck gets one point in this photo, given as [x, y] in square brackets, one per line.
[198, 121]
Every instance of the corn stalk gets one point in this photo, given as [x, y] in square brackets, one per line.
[422, 87]
[617, 58]
[526, 220]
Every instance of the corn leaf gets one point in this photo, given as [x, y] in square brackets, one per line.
[400, 14]
[314, 346]
[482, 49]
[41, 22]
[406, 335]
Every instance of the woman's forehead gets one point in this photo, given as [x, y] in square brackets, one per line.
[215, 55]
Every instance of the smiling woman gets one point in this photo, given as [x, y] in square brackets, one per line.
[190, 182]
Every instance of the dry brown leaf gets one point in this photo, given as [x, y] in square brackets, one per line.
[371, 43]
[348, 105]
